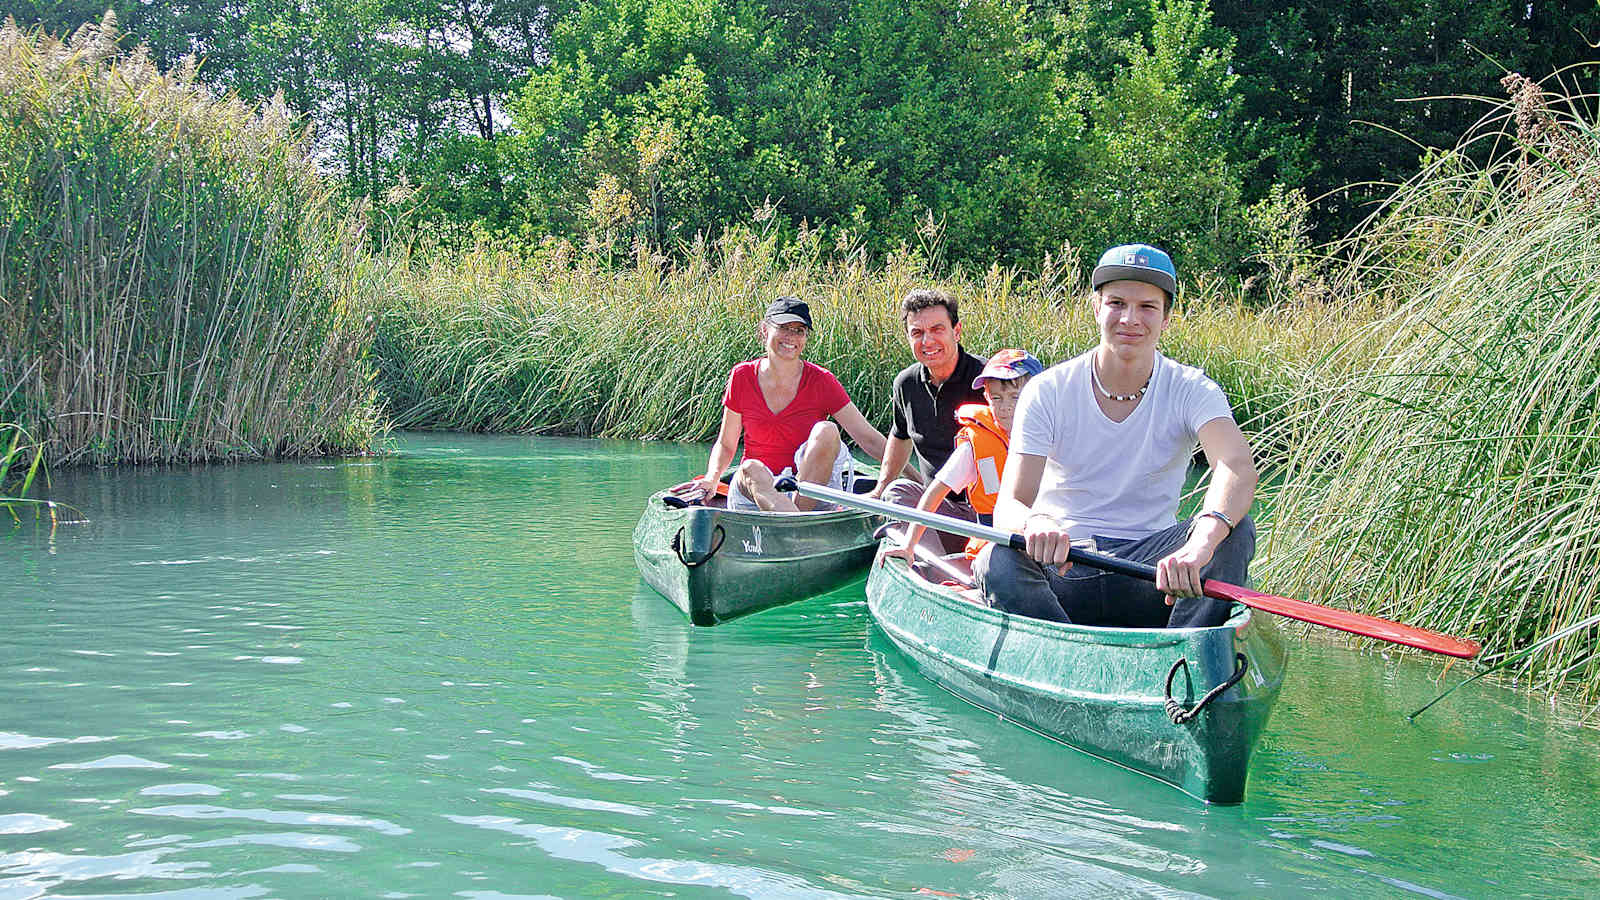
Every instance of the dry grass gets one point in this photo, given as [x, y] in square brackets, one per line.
[559, 342]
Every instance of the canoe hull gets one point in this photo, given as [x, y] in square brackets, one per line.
[1099, 690]
[718, 565]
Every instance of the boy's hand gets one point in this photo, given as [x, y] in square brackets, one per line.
[908, 536]
[907, 553]
[1048, 542]
[1178, 575]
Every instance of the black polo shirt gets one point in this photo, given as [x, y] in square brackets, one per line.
[927, 415]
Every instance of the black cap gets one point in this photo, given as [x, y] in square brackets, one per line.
[789, 309]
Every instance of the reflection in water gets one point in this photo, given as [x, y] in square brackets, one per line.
[439, 674]
[1069, 839]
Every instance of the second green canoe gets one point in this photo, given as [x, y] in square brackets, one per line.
[1100, 690]
[717, 564]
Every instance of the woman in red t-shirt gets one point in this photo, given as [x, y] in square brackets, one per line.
[781, 405]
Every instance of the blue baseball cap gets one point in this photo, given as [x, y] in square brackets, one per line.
[1008, 364]
[1136, 262]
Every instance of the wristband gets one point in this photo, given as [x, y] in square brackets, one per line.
[1219, 516]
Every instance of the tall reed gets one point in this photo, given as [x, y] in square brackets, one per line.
[1448, 471]
[175, 277]
[561, 342]
[20, 462]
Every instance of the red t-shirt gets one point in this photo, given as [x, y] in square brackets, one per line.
[772, 437]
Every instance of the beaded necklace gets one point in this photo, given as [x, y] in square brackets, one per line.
[1123, 398]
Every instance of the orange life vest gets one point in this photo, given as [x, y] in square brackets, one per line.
[989, 444]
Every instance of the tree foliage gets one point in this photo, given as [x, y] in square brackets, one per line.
[1015, 126]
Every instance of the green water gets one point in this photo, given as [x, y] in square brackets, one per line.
[439, 675]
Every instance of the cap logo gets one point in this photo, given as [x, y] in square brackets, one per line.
[1134, 259]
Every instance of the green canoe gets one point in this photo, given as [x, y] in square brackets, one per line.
[1100, 690]
[716, 564]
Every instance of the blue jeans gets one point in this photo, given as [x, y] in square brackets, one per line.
[1013, 582]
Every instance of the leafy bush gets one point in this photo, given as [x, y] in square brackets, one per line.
[1016, 129]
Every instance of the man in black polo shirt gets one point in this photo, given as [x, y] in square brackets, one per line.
[926, 395]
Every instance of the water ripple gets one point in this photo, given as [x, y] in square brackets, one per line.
[119, 761]
[602, 849]
[11, 740]
[594, 771]
[756, 807]
[570, 802]
[39, 869]
[293, 840]
[29, 823]
[272, 816]
[181, 790]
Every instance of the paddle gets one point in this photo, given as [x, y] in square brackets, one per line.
[1343, 620]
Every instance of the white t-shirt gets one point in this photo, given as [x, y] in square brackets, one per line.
[1118, 479]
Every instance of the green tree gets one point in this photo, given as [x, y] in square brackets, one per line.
[662, 118]
[1354, 80]
[1159, 163]
[961, 114]
[1001, 118]
[891, 113]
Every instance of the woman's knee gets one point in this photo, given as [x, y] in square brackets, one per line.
[821, 449]
[754, 471]
[824, 434]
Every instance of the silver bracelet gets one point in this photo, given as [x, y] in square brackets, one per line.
[1219, 516]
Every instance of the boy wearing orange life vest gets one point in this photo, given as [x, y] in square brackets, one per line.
[980, 456]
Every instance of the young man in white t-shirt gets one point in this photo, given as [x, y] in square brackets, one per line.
[1099, 451]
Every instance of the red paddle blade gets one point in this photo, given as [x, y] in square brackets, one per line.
[1344, 620]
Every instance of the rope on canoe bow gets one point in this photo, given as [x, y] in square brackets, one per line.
[1181, 715]
[677, 547]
